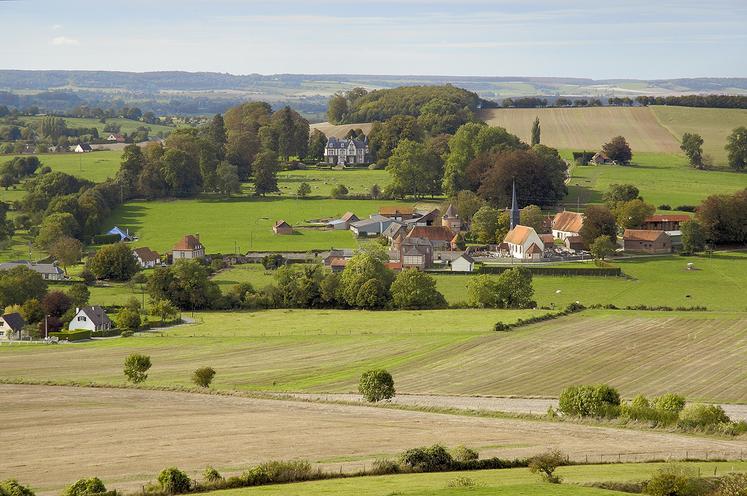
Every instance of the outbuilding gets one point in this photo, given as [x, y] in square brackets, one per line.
[464, 263]
[646, 241]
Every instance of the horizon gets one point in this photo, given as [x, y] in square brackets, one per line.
[638, 40]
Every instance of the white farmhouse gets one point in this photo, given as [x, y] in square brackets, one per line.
[524, 243]
[90, 318]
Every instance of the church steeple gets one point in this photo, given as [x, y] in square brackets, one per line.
[515, 214]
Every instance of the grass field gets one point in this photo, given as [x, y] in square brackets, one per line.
[357, 181]
[587, 128]
[434, 352]
[331, 130]
[126, 437]
[127, 125]
[511, 482]
[661, 179]
[245, 222]
[714, 125]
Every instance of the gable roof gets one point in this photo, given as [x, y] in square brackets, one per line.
[338, 262]
[188, 242]
[146, 254]
[123, 234]
[349, 217]
[643, 235]
[281, 223]
[667, 218]
[548, 239]
[337, 143]
[430, 215]
[393, 230]
[450, 211]
[14, 320]
[433, 233]
[568, 221]
[36, 267]
[394, 211]
[533, 248]
[466, 257]
[85, 146]
[518, 235]
[95, 314]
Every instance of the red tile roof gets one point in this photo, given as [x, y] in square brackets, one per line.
[518, 235]
[642, 235]
[667, 218]
[433, 233]
[188, 242]
[568, 221]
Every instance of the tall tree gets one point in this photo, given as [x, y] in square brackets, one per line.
[536, 131]
[736, 146]
[598, 221]
[66, 250]
[181, 172]
[317, 144]
[693, 237]
[265, 168]
[692, 145]
[415, 170]
[290, 133]
[217, 133]
[618, 150]
[337, 108]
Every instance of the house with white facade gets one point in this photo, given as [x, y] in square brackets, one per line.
[189, 247]
[91, 319]
[464, 263]
[524, 243]
[347, 151]
[567, 224]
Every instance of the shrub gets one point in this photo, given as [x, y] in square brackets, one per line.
[432, 459]
[203, 376]
[686, 208]
[339, 191]
[640, 401]
[174, 481]
[501, 327]
[85, 487]
[127, 334]
[732, 485]
[276, 472]
[674, 480]
[136, 367]
[461, 482]
[211, 476]
[384, 466]
[11, 487]
[376, 385]
[128, 319]
[598, 400]
[670, 402]
[545, 465]
[664, 206]
[464, 454]
[700, 415]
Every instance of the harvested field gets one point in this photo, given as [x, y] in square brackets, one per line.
[127, 436]
[332, 130]
[587, 128]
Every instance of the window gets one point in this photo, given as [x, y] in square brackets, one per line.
[82, 319]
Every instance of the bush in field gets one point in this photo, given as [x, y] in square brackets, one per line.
[211, 476]
[700, 415]
[128, 320]
[675, 480]
[415, 289]
[174, 481]
[11, 487]
[598, 400]
[384, 466]
[376, 385]
[136, 367]
[464, 454]
[732, 485]
[433, 459]
[670, 402]
[85, 487]
[545, 465]
[277, 472]
[461, 482]
[203, 376]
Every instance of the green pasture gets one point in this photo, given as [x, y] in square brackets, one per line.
[127, 126]
[96, 166]
[719, 282]
[713, 124]
[357, 181]
[225, 224]
[517, 481]
[661, 178]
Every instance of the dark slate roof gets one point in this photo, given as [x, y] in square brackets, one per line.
[343, 143]
[96, 314]
[14, 321]
[36, 267]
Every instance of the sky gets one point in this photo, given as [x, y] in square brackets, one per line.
[598, 39]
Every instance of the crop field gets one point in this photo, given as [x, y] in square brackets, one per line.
[243, 222]
[661, 179]
[127, 125]
[428, 352]
[511, 482]
[713, 124]
[331, 130]
[126, 437]
[587, 128]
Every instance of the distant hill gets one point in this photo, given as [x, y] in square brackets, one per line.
[209, 92]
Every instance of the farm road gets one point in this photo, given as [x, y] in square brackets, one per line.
[498, 404]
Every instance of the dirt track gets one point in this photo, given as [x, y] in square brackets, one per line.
[127, 436]
[499, 404]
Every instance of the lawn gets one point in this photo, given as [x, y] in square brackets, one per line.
[239, 223]
[357, 181]
[718, 283]
[661, 179]
[514, 482]
[713, 124]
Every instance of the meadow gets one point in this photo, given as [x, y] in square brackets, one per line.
[127, 436]
[357, 181]
[661, 178]
[127, 126]
[713, 124]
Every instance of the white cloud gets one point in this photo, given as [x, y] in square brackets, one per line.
[56, 27]
[65, 41]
